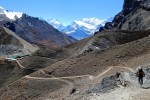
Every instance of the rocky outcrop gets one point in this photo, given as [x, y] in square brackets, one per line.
[130, 5]
[133, 17]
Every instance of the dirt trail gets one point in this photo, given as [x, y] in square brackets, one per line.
[71, 77]
[132, 92]
[40, 78]
[127, 93]
[121, 94]
[110, 68]
[19, 64]
[125, 68]
[80, 76]
[70, 85]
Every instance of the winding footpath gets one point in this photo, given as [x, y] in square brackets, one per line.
[80, 76]
[19, 64]
[131, 93]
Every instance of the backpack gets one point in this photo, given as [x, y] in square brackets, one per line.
[140, 73]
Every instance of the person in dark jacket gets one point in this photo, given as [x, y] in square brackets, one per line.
[140, 74]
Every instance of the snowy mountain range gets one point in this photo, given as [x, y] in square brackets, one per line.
[78, 29]
[82, 28]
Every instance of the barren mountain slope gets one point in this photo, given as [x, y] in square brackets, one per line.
[134, 16]
[86, 70]
[78, 70]
[98, 42]
[93, 62]
[12, 45]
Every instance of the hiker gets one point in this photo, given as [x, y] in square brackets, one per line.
[140, 74]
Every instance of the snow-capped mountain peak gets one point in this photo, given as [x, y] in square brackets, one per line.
[1, 8]
[94, 20]
[80, 29]
[84, 24]
[89, 25]
[55, 21]
[56, 24]
[10, 14]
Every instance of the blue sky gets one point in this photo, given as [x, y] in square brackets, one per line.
[65, 10]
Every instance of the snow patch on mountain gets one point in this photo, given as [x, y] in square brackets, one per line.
[10, 14]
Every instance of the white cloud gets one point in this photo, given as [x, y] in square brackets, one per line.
[13, 15]
[10, 14]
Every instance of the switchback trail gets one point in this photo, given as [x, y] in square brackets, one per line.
[55, 78]
[110, 68]
[71, 77]
[71, 85]
[19, 64]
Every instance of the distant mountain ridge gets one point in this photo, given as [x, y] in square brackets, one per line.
[82, 28]
[33, 29]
